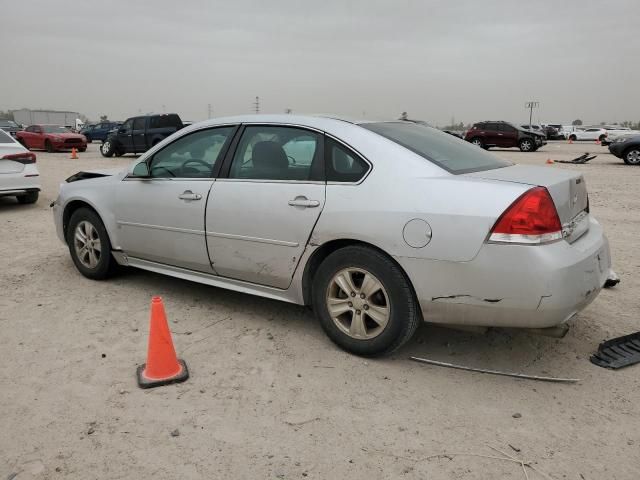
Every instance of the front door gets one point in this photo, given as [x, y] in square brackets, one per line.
[259, 219]
[139, 134]
[160, 218]
[507, 136]
[125, 136]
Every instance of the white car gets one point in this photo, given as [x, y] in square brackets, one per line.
[615, 132]
[589, 133]
[19, 176]
[377, 225]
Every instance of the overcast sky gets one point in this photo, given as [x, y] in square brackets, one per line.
[470, 60]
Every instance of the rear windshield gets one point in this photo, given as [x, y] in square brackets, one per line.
[453, 154]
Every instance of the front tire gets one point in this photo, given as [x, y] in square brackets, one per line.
[108, 148]
[477, 142]
[89, 245]
[364, 301]
[526, 145]
[632, 156]
[31, 197]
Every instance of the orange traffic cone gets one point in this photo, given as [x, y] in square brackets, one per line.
[162, 367]
[598, 142]
[549, 161]
[74, 154]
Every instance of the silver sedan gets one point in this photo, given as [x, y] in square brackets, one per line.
[377, 225]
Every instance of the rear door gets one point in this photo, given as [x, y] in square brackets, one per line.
[139, 131]
[507, 136]
[260, 217]
[160, 218]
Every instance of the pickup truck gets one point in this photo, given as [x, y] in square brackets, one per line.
[139, 134]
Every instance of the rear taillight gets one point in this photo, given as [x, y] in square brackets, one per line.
[25, 158]
[531, 219]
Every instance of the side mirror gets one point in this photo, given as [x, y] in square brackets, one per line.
[140, 170]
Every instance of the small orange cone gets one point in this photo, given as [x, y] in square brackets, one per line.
[162, 367]
[74, 154]
[597, 142]
[549, 161]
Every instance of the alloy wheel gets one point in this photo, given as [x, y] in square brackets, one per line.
[526, 145]
[106, 146]
[633, 157]
[87, 244]
[358, 303]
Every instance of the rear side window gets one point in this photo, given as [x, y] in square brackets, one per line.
[165, 121]
[438, 147]
[5, 137]
[342, 164]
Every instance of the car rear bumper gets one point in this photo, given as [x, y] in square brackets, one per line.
[28, 180]
[513, 285]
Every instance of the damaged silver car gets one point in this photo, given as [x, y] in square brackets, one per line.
[377, 225]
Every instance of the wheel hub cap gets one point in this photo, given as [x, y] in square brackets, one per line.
[358, 303]
[86, 243]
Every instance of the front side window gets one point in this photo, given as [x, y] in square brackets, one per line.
[438, 147]
[191, 156]
[277, 153]
[128, 124]
[342, 164]
[138, 123]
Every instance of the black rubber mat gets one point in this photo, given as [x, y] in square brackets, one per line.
[618, 352]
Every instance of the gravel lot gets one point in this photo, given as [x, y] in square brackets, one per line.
[271, 397]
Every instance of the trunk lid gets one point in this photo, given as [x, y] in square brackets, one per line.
[567, 189]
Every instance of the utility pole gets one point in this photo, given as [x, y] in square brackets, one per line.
[209, 111]
[531, 105]
[256, 105]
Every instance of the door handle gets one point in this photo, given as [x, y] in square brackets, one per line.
[303, 202]
[189, 195]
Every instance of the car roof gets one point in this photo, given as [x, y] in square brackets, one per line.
[314, 121]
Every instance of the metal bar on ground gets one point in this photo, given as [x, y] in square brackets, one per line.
[495, 372]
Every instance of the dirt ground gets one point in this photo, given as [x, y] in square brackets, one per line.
[271, 397]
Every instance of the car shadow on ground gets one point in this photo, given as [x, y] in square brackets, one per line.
[502, 349]
[11, 203]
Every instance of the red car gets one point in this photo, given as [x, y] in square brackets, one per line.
[51, 138]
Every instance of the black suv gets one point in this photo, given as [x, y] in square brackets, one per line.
[504, 135]
[139, 134]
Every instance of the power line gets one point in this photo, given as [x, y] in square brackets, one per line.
[256, 105]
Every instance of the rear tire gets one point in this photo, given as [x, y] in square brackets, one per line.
[632, 156]
[31, 197]
[48, 146]
[378, 315]
[89, 245]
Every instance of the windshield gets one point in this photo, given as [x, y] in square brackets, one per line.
[453, 154]
[55, 129]
[8, 123]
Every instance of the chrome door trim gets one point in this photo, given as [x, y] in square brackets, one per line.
[260, 180]
[247, 238]
[160, 227]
